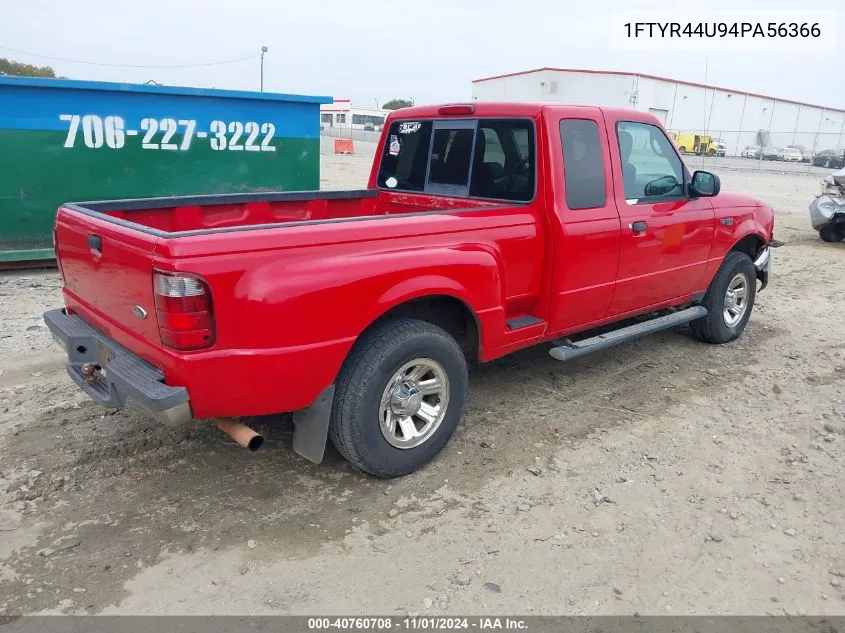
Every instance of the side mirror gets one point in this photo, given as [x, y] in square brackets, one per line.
[704, 184]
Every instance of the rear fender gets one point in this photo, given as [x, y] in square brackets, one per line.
[312, 299]
[476, 282]
[422, 286]
[453, 277]
[333, 296]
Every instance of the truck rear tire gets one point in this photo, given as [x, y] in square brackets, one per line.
[729, 301]
[399, 397]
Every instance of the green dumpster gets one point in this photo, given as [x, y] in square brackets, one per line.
[63, 140]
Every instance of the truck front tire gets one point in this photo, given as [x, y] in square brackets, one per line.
[399, 397]
[729, 301]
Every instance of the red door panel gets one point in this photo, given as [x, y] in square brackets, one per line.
[666, 235]
[586, 239]
[668, 257]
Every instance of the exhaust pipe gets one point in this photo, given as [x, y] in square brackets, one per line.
[241, 433]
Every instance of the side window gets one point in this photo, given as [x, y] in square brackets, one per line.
[651, 169]
[583, 164]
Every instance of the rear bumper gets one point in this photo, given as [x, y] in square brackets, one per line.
[122, 379]
[763, 265]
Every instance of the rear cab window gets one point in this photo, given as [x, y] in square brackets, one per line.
[477, 158]
[583, 164]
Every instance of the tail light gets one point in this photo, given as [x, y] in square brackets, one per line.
[56, 254]
[184, 311]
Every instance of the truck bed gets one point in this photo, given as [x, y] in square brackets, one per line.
[202, 213]
[289, 304]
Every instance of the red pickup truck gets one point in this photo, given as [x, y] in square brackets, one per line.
[485, 228]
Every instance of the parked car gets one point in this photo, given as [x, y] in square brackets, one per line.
[751, 151]
[834, 159]
[790, 154]
[485, 228]
[805, 155]
[721, 148]
[770, 153]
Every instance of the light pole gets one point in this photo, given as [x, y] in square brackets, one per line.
[264, 49]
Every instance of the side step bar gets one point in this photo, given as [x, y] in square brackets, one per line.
[625, 334]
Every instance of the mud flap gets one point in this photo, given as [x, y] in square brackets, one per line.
[311, 427]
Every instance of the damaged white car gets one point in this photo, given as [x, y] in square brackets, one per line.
[827, 210]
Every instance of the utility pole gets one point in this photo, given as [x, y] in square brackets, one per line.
[264, 49]
[769, 137]
[705, 96]
[635, 92]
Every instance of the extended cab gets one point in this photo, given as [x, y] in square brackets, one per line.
[485, 228]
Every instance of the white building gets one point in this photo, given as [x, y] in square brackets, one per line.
[737, 117]
[345, 116]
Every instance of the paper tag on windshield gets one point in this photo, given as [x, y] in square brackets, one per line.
[393, 150]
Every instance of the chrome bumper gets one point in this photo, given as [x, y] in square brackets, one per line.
[763, 265]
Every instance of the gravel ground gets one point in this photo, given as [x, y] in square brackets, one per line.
[661, 477]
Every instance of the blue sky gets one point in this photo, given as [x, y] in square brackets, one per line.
[372, 50]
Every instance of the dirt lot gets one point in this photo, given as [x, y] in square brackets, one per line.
[662, 477]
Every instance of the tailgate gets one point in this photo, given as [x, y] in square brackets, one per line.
[107, 269]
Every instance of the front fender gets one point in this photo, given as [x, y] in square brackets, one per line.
[731, 235]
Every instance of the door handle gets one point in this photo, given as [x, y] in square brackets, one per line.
[637, 227]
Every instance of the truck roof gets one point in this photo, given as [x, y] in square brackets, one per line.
[510, 109]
